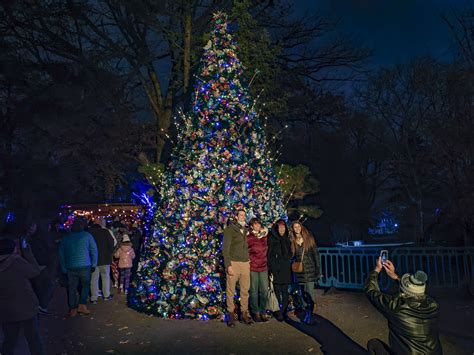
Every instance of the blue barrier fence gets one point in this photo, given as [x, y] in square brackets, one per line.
[348, 267]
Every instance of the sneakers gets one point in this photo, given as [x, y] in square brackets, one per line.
[94, 301]
[110, 298]
[246, 319]
[263, 317]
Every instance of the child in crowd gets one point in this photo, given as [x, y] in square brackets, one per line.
[125, 255]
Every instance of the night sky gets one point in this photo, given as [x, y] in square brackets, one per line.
[396, 30]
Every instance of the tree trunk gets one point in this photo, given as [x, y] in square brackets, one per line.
[419, 222]
[163, 121]
[187, 24]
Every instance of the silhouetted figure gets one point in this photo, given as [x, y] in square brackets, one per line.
[18, 301]
[45, 252]
[412, 315]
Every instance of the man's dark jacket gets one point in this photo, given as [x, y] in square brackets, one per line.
[105, 244]
[413, 323]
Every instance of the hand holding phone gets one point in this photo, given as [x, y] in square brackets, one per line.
[384, 256]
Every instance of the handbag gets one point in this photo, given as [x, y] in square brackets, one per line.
[272, 303]
[297, 266]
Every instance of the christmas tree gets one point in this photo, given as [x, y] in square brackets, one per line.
[220, 162]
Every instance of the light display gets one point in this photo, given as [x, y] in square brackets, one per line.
[126, 212]
[220, 162]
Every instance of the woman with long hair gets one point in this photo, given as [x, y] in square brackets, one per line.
[279, 264]
[306, 266]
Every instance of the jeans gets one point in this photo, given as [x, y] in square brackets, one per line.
[125, 278]
[43, 285]
[281, 292]
[258, 291]
[308, 293]
[74, 277]
[104, 272]
[11, 331]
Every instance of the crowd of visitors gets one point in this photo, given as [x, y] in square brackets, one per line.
[34, 259]
[278, 258]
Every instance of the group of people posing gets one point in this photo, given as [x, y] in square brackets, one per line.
[255, 255]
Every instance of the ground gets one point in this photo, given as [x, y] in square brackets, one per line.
[346, 322]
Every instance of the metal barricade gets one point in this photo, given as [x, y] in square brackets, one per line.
[349, 267]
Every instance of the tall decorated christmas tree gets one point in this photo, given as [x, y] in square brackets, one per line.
[220, 162]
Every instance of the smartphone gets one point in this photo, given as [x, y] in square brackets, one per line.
[384, 256]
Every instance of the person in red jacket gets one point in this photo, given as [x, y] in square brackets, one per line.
[257, 243]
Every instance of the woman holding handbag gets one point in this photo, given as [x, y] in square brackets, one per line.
[305, 267]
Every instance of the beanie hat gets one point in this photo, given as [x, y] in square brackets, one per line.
[414, 285]
[125, 238]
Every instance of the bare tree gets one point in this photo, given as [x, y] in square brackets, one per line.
[402, 98]
[151, 43]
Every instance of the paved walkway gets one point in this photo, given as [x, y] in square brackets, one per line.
[346, 322]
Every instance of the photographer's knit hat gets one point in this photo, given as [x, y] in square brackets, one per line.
[414, 285]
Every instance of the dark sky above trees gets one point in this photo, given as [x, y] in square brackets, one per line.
[396, 30]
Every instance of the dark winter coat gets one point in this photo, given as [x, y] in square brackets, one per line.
[412, 323]
[279, 257]
[105, 244]
[43, 248]
[18, 301]
[258, 248]
[235, 246]
[311, 264]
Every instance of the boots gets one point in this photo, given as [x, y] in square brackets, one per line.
[231, 320]
[263, 317]
[82, 309]
[246, 319]
[279, 316]
[308, 318]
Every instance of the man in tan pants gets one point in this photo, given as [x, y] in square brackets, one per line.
[237, 264]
